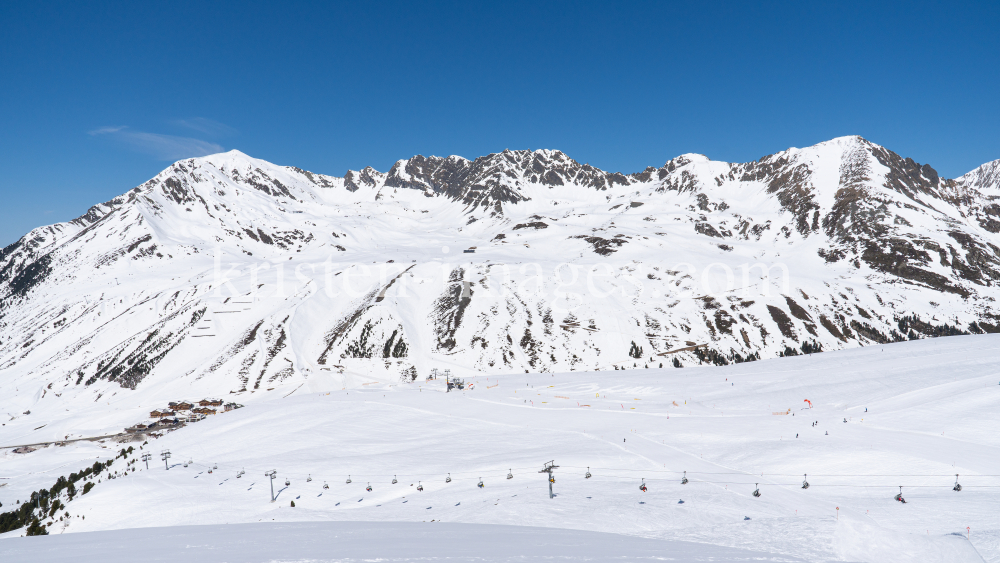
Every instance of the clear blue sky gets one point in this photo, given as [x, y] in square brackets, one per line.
[97, 97]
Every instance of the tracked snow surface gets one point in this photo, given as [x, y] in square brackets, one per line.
[323, 303]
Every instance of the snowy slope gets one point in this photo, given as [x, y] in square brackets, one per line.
[347, 542]
[917, 414]
[227, 275]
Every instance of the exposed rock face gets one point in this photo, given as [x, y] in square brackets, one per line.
[245, 276]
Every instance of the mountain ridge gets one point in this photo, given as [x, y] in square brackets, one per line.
[876, 248]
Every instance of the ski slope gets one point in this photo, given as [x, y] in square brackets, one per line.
[917, 413]
[320, 542]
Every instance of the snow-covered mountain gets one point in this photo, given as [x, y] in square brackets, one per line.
[230, 275]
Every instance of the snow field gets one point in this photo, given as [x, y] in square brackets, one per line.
[932, 412]
[320, 542]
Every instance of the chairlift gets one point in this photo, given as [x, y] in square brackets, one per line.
[756, 490]
[309, 478]
[448, 478]
[587, 475]
[185, 464]
[805, 484]
[369, 487]
[394, 481]
[288, 483]
[957, 487]
[348, 479]
[642, 487]
[209, 469]
[510, 474]
[480, 485]
[684, 480]
[215, 466]
[419, 486]
[899, 496]
[325, 486]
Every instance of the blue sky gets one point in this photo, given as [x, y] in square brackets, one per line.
[96, 98]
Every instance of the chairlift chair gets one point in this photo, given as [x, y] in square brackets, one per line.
[756, 490]
[309, 478]
[510, 474]
[642, 487]
[288, 483]
[899, 496]
[394, 481]
[448, 478]
[587, 475]
[957, 487]
[684, 480]
[185, 464]
[348, 479]
[805, 484]
[325, 486]
[480, 485]
[369, 487]
[419, 486]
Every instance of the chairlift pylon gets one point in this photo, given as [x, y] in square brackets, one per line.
[684, 480]
[756, 490]
[805, 483]
[348, 479]
[510, 474]
[587, 475]
[394, 481]
[448, 478]
[957, 487]
[642, 487]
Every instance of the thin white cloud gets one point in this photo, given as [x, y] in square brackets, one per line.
[162, 147]
[106, 130]
[206, 126]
